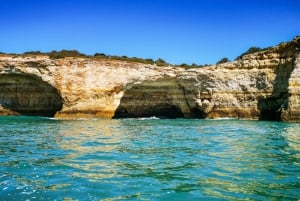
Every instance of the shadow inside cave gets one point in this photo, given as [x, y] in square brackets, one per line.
[160, 98]
[160, 111]
[28, 95]
[149, 99]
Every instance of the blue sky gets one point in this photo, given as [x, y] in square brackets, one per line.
[179, 31]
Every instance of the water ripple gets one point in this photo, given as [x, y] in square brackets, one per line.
[149, 159]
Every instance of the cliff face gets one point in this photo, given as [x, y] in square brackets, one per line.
[73, 87]
[263, 85]
[292, 113]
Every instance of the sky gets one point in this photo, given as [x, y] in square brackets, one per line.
[178, 31]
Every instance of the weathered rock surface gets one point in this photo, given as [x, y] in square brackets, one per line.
[264, 85]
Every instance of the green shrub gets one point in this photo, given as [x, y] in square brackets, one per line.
[149, 61]
[34, 53]
[100, 55]
[194, 65]
[125, 58]
[250, 51]
[161, 62]
[65, 53]
[223, 60]
[184, 65]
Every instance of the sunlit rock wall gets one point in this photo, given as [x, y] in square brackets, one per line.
[263, 85]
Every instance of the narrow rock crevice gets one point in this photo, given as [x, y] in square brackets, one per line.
[272, 107]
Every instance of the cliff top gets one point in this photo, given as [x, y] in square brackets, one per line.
[284, 49]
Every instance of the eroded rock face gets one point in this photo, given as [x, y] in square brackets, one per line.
[292, 113]
[263, 85]
[137, 100]
[27, 95]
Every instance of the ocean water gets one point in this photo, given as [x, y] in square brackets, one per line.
[148, 159]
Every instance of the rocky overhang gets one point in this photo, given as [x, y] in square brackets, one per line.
[264, 85]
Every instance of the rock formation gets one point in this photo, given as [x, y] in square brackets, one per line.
[263, 85]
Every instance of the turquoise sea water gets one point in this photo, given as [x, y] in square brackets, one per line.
[148, 159]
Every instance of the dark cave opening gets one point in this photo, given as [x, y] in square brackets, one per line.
[271, 108]
[197, 114]
[28, 95]
[160, 111]
[270, 115]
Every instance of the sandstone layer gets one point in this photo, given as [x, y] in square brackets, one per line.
[263, 85]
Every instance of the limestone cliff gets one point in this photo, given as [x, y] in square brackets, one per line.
[263, 85]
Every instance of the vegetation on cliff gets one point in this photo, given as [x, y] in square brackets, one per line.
[74, 53]
[58, 54]
[282, 47]
[251, 50]
[223, 60]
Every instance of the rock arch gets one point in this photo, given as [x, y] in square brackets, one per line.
[158, 98]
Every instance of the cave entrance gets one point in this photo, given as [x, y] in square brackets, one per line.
[197, 113]
[161, 98]
[271, 108]
[160, 111]
[270, 115]
[28, 95]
